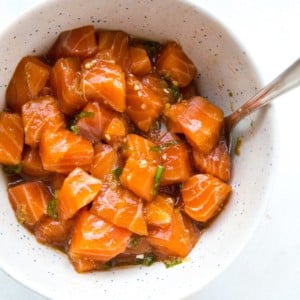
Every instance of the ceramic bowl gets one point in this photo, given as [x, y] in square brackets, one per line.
[226, 77]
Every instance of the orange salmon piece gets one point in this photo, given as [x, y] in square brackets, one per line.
[116, 43]
[203, 196]
[143, 105]
[176, 239]
[29, 78]
[104, 81]
[140, 148]
[138, 176]
[78, 190]
[32, 164]
[29, 201]
[65, 81]
[94, 238]
[104, 162]
[175, 159]
[159, 211]
[36, 114]
[83, 265]
[79, 42]
[53, 232]
[116, 130]
[12, 138]
[122, 208]
[172, 113]
[140, 62]
[97, 118]
[62, 151]
[159, 86]
[201, 123]
[175, 65]
[216, 163]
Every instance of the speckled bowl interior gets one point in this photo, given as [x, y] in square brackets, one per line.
[226, 77]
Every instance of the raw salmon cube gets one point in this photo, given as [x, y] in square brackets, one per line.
[12, 138]
[217, 162]
[138, 176]
[176, 239]
[175, 158]
[32, 164]
[65, 81]
[62, 151]
[83, 265]
[159, 211]
[96, 239]
[36, 114]
[159, 86]
[54, 232]
[140, 62]
[93, 120]
[203, 196]
[116, 130]
[122, 208]
[140, 148]
[104, 81]
[79, 42]
[201, 122]
[172, 112]
[78, 190]
[116, 42]
[175, 65]
[29, 201]
[29, 78]
[143, 105]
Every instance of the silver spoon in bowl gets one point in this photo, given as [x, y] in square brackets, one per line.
[287, 80]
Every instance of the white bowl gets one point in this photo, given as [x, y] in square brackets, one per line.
[225, 70]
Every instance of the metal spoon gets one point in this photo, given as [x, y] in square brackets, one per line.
[287, 80]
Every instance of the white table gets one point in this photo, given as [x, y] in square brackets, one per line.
[269, 266]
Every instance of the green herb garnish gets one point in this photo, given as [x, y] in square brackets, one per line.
[172, 261]
[134, 242]
[162, 147]
[117, 172]
[13, 169]
[149, 260]
[157, 178]
[51, 208]
[73, 121]
[85, 114]
[152, 48]
[175, 92]
[74, 129]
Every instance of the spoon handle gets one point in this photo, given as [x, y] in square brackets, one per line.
[287, 80]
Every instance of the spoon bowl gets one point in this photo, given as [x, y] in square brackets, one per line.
[287, 80]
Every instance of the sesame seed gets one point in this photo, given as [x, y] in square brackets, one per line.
[143, 106]
[164, 156]
[136, 87]
[107, 136]
[129, 176]
[140, 94]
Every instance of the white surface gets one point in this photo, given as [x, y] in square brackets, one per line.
[269, 267]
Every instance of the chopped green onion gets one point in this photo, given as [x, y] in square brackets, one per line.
[51, 208]
[162, 147]
[74, 129]
[134, 242]
[149, 259]
[13, 169]
[175, 92]
[117, 172]
[152, 47]
[172, 261]
[157, 178]
[85, 114]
